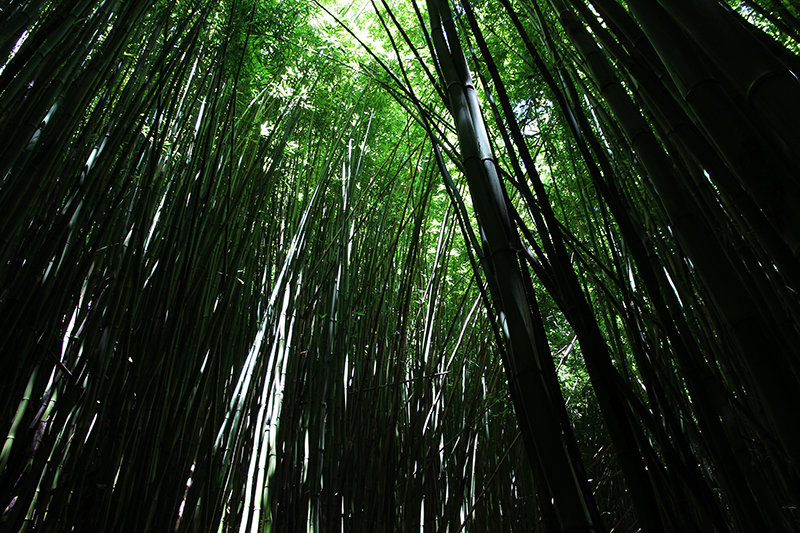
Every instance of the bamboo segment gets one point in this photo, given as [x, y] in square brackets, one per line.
[758, 169]
[760, 78]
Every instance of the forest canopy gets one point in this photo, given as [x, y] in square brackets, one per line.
[400, 265]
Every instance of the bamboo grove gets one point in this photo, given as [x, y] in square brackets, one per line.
[488, 265]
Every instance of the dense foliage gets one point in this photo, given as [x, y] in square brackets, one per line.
[399, 266]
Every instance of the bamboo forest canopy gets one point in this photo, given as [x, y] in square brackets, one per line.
[400, 265]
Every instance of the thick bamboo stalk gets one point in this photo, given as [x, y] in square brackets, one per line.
[760, 78]
[492, 214]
